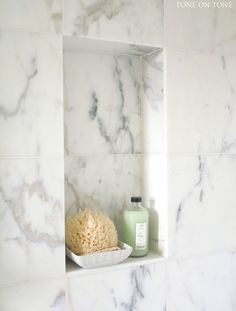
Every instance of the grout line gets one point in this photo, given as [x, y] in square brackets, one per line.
[199, 51]
[166, 171]
[116, 155]
[36, 32]
[141, 81]
[132, 44]
[100, 52]
[147, 154]
[158, 154]
[194, 256]
[24, 157]
[33, 281]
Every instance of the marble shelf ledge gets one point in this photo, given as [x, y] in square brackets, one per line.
[72, 269]
[97, 46]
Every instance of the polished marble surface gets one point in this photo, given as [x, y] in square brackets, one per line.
[153, 106]
[31, 106]
[27, 15]
[202, 283]
[201, 204]
[47, 295]
[200, 127]
[31, 219]
[99, 46]
[140, 288]
[206, 29]
[155, 196]
[201, 102]
[104, 183]
[139, 22]
[104, 112]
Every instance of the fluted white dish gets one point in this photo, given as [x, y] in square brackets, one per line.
[101, 259]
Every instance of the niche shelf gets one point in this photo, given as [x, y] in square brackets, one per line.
[152, 257]
[114, 134]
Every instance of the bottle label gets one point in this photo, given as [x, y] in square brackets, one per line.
[141, 236]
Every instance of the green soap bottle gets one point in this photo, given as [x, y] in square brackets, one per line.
[135, 227]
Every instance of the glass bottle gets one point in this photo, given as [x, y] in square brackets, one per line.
[135, 227]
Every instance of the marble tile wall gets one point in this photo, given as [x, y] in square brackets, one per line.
[206, 140]
[102, 131]
[47, 295]
[200, 144]
[201, 205]
[32, 214]
[31, 157]
[200, 83]
[201, 165]
[103, 183]
[207, 107]
[209, 29]
[202, 283]
[103, 116]
[139, 22]
[109, 125]
[31, 166]
[39, 15]
[140, 288]
[154, 145]
[31, 183]
[154, 114]
[31, 94]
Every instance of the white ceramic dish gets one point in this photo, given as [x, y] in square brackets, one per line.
[101, 259]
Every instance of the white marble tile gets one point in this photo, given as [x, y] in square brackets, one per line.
[141, 288]
[103, 183]
[41, 296]
[201, 196]
[31, 110]
[203, 29]
[37, 15]
[203, 283]
[201, 102]
[102, 104]
[139, 22]
[31, 219]
[153, 103]
[155, 199]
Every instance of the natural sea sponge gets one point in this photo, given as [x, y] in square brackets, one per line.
[89, 231]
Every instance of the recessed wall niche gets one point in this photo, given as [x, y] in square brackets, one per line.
[114, 130]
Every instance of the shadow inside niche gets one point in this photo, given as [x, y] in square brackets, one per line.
[153, 225]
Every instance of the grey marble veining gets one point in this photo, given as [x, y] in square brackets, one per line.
[104, 112]
[202, 116]
[139, 22]
[141, 288]
[202, 283]
[31, 95]
[47, 295]
[201, 201]
[153, 103]
[31, 219]
[4, 112]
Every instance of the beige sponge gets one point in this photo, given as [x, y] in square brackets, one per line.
[89, 231]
